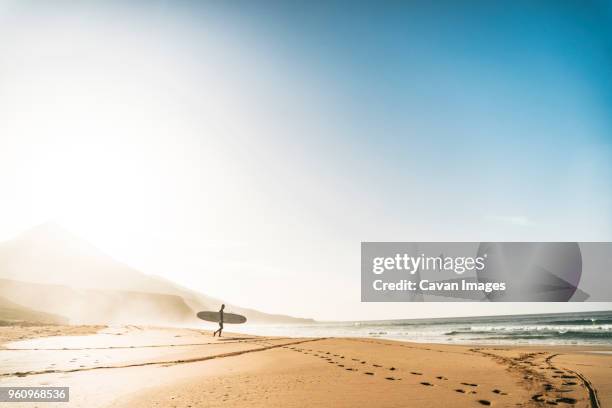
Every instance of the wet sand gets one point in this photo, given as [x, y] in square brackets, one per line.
[135, 366]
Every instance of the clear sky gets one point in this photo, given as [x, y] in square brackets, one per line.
[245, 149]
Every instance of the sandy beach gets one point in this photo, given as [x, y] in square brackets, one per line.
[136, 366]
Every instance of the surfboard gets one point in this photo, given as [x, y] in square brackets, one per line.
[230, 318]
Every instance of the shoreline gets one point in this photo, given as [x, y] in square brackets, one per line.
[155, 366]
[579, 329]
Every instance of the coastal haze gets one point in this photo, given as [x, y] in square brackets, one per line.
[47, 269]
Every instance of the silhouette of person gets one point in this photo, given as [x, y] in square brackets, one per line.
[220, 322]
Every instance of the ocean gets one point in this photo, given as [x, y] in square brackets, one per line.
[585, 328]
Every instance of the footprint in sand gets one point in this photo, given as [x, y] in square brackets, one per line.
[376, 365]
[351, 369]
[469, 384]
[484, 402]
[368, 373]
[415, 373]
[440, 377]
[427, 384]
[460, 390]
[566, 400]
[390, 378]
[392, 368]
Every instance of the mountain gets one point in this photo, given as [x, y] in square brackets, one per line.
[49, 269]
[91, 306]
[50, 254]
[11, 312]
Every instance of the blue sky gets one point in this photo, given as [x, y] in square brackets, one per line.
[496, 111]
[267, 139]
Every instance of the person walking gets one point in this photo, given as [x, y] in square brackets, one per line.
[220, 329]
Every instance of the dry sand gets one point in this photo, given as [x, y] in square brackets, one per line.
[12, 331]
[133, 366]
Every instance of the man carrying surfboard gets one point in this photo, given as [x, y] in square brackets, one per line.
[220, 321]
[221, 318]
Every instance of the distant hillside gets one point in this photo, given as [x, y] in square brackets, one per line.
[51, 270]
[11, 312]
[91, 306]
